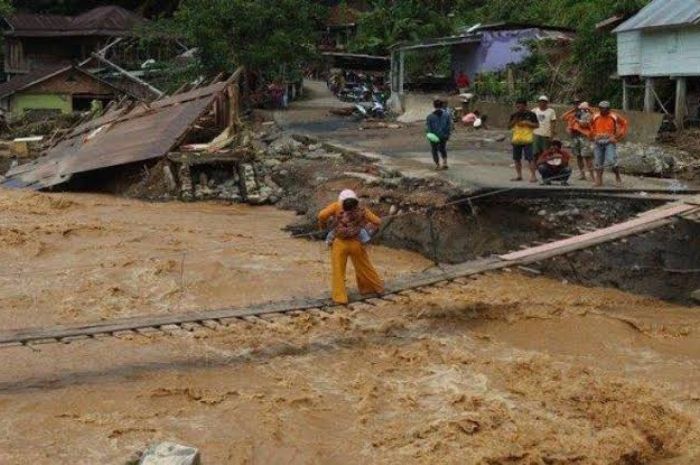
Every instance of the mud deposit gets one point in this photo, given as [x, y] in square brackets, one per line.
[77, 257]
[504, 370]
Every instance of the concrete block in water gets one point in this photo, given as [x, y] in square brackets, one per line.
[696, 296]
[169, 453]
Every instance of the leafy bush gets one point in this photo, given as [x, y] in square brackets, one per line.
[592, 62]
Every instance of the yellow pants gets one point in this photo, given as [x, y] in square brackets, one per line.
[368, 280]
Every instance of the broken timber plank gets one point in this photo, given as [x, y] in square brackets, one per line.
[650, 220]
[109, 327]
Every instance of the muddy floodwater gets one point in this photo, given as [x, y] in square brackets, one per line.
[504, 370]
[74, 258]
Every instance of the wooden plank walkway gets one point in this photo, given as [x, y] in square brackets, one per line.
[651, 219]
[647, 221]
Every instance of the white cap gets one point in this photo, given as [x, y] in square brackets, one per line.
[543, 98]
[604, 104]
[347, 194]
[584, 106]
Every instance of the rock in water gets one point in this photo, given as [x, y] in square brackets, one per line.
[696, 296]
[169, 453]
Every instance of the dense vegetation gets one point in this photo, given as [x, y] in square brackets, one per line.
[592, 62]
[273, 38]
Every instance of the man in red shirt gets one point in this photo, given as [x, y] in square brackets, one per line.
[462, 82]
[553, 164]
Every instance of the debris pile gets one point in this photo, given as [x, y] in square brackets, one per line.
[132, 134]
[32, 125]
[259, 167]
[655, 160]
[640, 159]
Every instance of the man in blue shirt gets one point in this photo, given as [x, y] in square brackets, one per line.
[439, 122]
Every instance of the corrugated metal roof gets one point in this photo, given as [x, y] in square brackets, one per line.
[478, 32]
[28, 21]
[103, 20]
[116, 139]
[108, 18]
[510, 26]
[23, 81]
[662, 14]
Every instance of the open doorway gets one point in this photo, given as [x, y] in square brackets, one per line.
[83, 102]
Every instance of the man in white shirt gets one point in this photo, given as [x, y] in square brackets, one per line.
[547, 118]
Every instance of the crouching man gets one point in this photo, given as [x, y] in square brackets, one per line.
[553, 164]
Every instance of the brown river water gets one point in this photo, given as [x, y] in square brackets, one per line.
[507, 369]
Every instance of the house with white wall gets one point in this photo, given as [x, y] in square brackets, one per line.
[662, 41]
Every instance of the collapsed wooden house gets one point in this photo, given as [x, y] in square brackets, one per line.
[203, 120]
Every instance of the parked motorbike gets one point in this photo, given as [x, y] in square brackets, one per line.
[373, 109]
[353, 93]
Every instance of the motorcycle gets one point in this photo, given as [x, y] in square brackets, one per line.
[353, 93]
[373, 109]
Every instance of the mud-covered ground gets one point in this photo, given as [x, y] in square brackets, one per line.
[76, 257]
[504, 370]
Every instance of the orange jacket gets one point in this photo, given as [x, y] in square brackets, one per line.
[573, 125]
[610, 125]
[336, 208]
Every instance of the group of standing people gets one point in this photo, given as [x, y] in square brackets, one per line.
[594, 138]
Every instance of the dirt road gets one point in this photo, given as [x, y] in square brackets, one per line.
[478, 159]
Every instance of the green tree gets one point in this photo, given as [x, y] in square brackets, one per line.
[271, 38]
[594, 53]
[391, 21]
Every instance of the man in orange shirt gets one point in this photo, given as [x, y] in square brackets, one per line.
[607, 129]
[350, 220]
[578, 121]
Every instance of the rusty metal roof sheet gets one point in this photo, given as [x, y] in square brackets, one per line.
[109, 17]
[663, 14]
[23, 81]
[118, 139]
[105, 20]
[29, 21]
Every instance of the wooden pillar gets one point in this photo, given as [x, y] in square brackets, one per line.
[510, 80]
[681, 91]
[233, 92]
[394, 73]
[402, 70]
[625, 96]
[649, 100]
